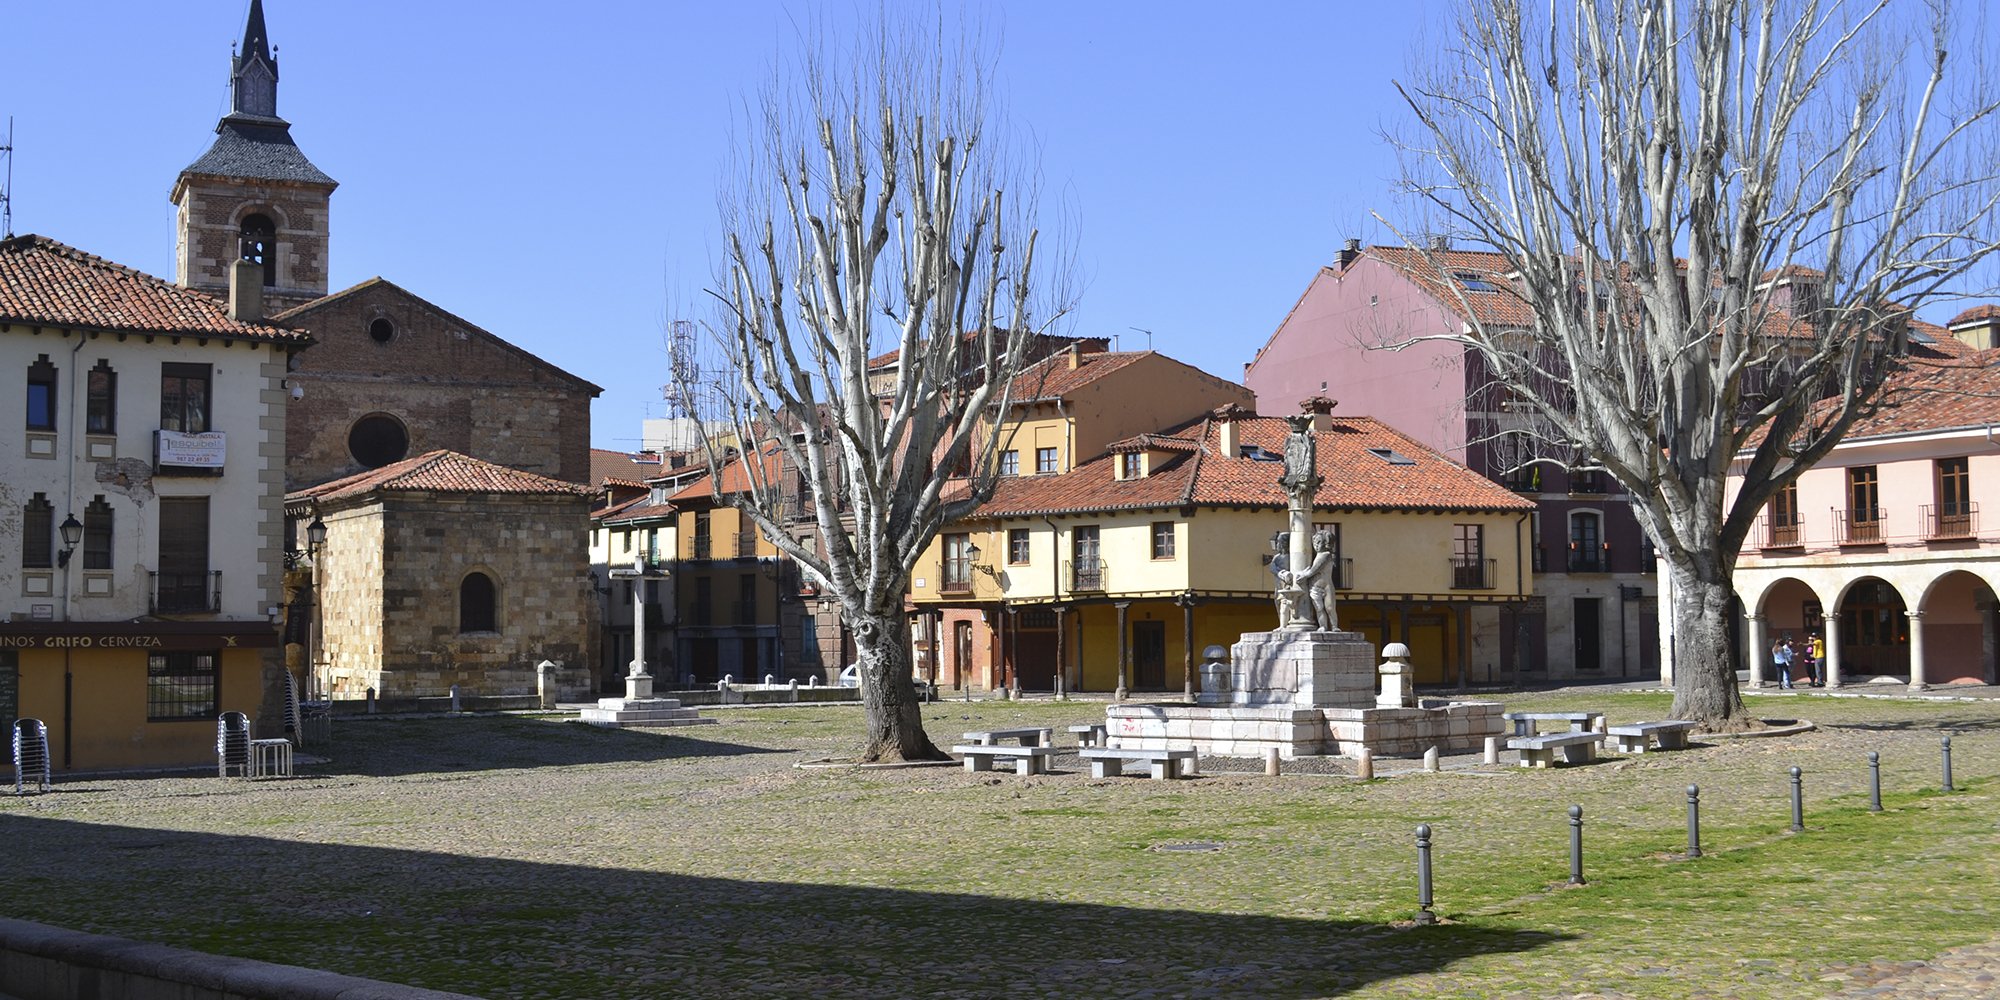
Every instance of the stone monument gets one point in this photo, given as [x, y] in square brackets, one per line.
[1305, 687]
[639, 708]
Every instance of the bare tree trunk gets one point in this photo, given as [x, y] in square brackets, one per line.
[895, 722]
[1704, 673]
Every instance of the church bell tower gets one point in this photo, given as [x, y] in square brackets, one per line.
[254, 196]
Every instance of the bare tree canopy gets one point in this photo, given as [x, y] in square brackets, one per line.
[1718, 212]
[880, 282]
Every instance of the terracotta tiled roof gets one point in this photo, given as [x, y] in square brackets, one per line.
[1976, 314]
[638, 510]
[735, 477]
[48, 283]
[441, 472]
[1408, 476]
[1934, 396]
[622, 506]
[1442, 274]
[1153, 442]
[622, 468]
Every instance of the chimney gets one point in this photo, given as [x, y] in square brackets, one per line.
[1321, 409]
[1350, 252]
[246, 291]
[1440, 242]
[1229, 437]
[1075, 356]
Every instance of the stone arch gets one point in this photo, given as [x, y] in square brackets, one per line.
[1874, 629]
[1958, 622]
[479, 601]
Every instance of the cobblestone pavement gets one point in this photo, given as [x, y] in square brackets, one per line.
[1968, 973]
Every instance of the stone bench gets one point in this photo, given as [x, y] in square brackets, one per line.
[1109, 762]
[1027, 760]
[1671, 734]
[1029, 736]
[1542, 750]
[1579, 722]
[1090, 734]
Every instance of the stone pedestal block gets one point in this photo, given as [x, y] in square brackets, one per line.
[1308, 669]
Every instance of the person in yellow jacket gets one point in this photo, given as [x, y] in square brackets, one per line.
[1816, 660]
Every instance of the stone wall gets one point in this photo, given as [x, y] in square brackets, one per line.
[447, 382]
[532, 547]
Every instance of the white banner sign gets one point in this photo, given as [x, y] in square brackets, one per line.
[201, 451]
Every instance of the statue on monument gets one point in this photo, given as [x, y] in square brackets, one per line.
[1317, 580]
[1300, 481]
[1285, 591]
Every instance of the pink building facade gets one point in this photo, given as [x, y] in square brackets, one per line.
[1593, 611]
[1881, 549]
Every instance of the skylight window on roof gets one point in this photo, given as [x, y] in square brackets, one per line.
[1473, 281]
[1392, 456]
[1258, 454]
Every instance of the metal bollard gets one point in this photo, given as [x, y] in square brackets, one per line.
[1424, 914]
[1874, 782]
[371, 701]
[454, 698]
[1576, 845]
[1364, 765]
[1270, 762]
[1694, 822]
[1798, 802]
[1947, 762]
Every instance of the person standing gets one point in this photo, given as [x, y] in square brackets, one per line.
[1816, 658]
[1781, 658]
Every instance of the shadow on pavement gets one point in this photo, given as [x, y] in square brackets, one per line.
[388, 747]
[504, 928]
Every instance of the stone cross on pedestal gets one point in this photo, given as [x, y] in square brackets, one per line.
[638, 683]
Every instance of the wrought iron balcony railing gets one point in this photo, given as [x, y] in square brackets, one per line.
[185, 593]
[1946, 521]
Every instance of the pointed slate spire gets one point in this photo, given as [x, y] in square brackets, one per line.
[254, 72]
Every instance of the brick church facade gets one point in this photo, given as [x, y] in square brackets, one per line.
[390, 378]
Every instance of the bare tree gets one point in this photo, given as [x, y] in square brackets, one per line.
[878, 212]
[1721, 214]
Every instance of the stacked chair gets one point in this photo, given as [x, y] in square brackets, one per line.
[31, 754]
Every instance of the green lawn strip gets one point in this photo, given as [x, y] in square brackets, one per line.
[1770, 918]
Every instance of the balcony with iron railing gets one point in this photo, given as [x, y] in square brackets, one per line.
[1590, 558]
[1775, 533]
[1087, 574]
[1862, 526]
[185, 593]
[700, 546]
[1527, 479]
[955, 576]
[1472, 574]
[746, 545]
[1343, 575]
[1950, 522]
[1589, 481]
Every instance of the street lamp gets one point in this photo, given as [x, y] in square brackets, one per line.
[72, 534]
[315, 541]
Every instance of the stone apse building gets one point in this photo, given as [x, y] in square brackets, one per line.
[391, 376]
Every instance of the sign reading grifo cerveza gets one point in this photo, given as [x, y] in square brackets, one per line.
[254, 634]
[200, 451]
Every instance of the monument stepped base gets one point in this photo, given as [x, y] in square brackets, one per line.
[642, 713]
[1299, 731]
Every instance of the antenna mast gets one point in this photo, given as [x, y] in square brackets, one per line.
[7, 185]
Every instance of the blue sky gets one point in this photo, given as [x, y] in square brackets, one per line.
[550, 171]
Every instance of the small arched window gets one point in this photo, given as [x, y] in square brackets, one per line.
[475, 604]
[259, 242]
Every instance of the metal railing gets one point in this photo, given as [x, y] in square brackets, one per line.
[1589, 481]
[1590, 558]
[1950, 520]
[746, 545]
[1859, 527]
[1525, 480]
[701, 546]
[1344, 575]
[183, 593]
[1779, 534]
[1472, 574]
[955, 579]
[1087, 574]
